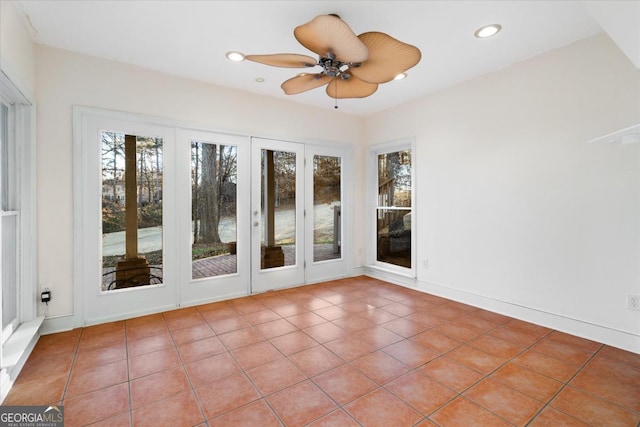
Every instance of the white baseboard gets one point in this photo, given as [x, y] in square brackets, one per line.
[226, 297]
[357, 271]
[329, 278]
[390, 276]
[584, 329]
[130, 315]
[52, 325]
[600, 333]
[68, 322]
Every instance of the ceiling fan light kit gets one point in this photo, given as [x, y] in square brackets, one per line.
[352, 66]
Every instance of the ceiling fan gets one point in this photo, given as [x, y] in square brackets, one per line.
[352, 66]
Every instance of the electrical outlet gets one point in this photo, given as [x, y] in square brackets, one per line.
[45, 296]
[633, 302]
[425, 263]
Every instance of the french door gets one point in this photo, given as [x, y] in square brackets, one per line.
[167, 216]
[327, 221]
[277, 214]
[214, 216]
[298, 227]
[125, 248]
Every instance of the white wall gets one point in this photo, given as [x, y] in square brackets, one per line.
[517, 212]
[65, 79]
[17, 51]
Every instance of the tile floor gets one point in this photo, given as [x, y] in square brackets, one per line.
[353, 352]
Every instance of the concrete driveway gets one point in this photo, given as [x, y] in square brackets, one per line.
[150, 239]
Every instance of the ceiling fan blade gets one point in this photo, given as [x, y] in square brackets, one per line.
[304, 82]
[388, 57]
[287, 60]
[328, 34]
[350, 88]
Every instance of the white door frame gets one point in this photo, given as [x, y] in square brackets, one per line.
[98, 306]
[92, 306]
[319, 271]
[278, 277]
[228, 286]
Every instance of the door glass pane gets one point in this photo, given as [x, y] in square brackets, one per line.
[393, 214]
[326, 208]
[213, 210]
[132, 171]
[278, 209]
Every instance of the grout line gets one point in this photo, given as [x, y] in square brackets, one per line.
[73, 361]
[126, 351]
[565, 385]
[184, 370]
[350, 298]
[485, 376]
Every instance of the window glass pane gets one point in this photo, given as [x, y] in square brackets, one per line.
[393, 214]
[132, 171]
[394, 236]
[213, 210]
[5, 160]
[394, 179]
[9, 268]
[278, 209]
[326, 208]
[9, 226]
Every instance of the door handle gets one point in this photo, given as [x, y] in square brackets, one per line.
[255, 224]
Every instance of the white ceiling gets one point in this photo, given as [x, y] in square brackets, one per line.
[189, 38]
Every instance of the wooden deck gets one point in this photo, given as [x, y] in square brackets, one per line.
[227, 264]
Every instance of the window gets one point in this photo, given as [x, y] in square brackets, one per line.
[394, 208]
[9, 227]
[20, 323]
[17, 226]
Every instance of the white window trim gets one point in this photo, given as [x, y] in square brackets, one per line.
[16, 349]
[14, 211]
[386, 271]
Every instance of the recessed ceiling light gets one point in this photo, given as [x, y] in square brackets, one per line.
[260, 79]
[487, 31]
[400, 76]
[234, 56]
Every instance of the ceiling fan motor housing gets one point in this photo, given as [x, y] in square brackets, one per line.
[331, 67]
